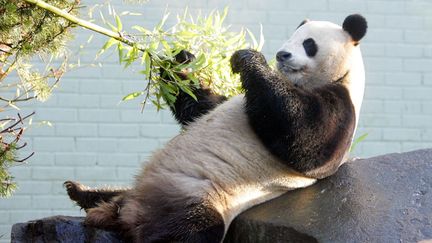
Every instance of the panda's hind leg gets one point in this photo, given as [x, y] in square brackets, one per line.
[87, 197]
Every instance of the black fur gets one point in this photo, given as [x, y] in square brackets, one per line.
[302, 23]
[186, 109]
[356, 26]
[88, 198]
[306, 128]
[310, 47]
[179, 222]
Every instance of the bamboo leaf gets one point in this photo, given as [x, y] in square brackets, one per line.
[132, 95]
[119, 23]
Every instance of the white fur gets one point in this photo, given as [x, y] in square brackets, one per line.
[336, 55]
[220, 159]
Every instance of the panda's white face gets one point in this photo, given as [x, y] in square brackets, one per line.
[317, 52]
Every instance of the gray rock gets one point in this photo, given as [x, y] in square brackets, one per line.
[63, 229]
[381, 199]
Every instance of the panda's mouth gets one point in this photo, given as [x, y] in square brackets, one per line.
[294, 70]
[288, 69]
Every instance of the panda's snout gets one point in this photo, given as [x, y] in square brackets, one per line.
[283, 56]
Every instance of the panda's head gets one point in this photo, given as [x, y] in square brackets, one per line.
[320, 51]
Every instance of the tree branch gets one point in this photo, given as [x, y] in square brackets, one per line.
[83, 23]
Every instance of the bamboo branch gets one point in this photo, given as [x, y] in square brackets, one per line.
[83, 23]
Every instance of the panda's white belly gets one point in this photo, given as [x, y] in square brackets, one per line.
[221, 158]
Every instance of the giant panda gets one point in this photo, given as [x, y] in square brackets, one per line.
[290, 128]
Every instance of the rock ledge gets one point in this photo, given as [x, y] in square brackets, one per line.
[381, 199]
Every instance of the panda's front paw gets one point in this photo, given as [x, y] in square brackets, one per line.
[243, 58]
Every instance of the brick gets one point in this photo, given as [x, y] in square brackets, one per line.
[15, 202]
[404, 21]
[427, 135]
[403, 78]
[220, 4]
[417, 121]
[52, 202]
[167, 117]
[76, 130]
[386, 7]
[373, 106]
[52, 173]
[403, 50]
[427, 107]
[42, 158]
[292, 19]
[4, 217]
[401, 134]
[373, 49]
[100, 87]
[266, 5]
[98, 115]
[26, 215]
[112, 101]
[119, 159]
[418, 36]
[320, 5]
[56, 114]
[427, 79]
[381, 120]
[96, 145]
[410, 146]
[67, 85]
[34, 188]
[137, 145]
[40, 130]
[423, 7]
[5, 232]
[373, 134]
[373, 64]
[21, 172]
[377, 148]
[417, 64]
[95, 173]
[350, 6]
[402, 107]
[421, 93]
[159, 130]
[385, 35]
[76, 159]
[137, 116]
[127, 173]
[387, 93]
[374, 78]
[118, 130]
[246, 17]
[78, 100]
[54, 144]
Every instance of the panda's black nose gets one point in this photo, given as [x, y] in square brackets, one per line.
[282, 56]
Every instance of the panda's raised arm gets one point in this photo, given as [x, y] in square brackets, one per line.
[186, 109]
[315, 123]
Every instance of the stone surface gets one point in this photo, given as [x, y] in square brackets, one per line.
[60, 229]
[382, 199]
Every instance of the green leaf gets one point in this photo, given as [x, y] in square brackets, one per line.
[107, 45]
[132, 96]
[357, 141]
[119, 23]
[188, 91]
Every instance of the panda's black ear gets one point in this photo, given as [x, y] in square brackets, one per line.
[302, 23]
[356, 26]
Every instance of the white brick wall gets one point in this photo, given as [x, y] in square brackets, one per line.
[98, 140]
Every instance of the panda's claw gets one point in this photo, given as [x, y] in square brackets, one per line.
[243, 58]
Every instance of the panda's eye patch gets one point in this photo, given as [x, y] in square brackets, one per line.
[310, 47]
